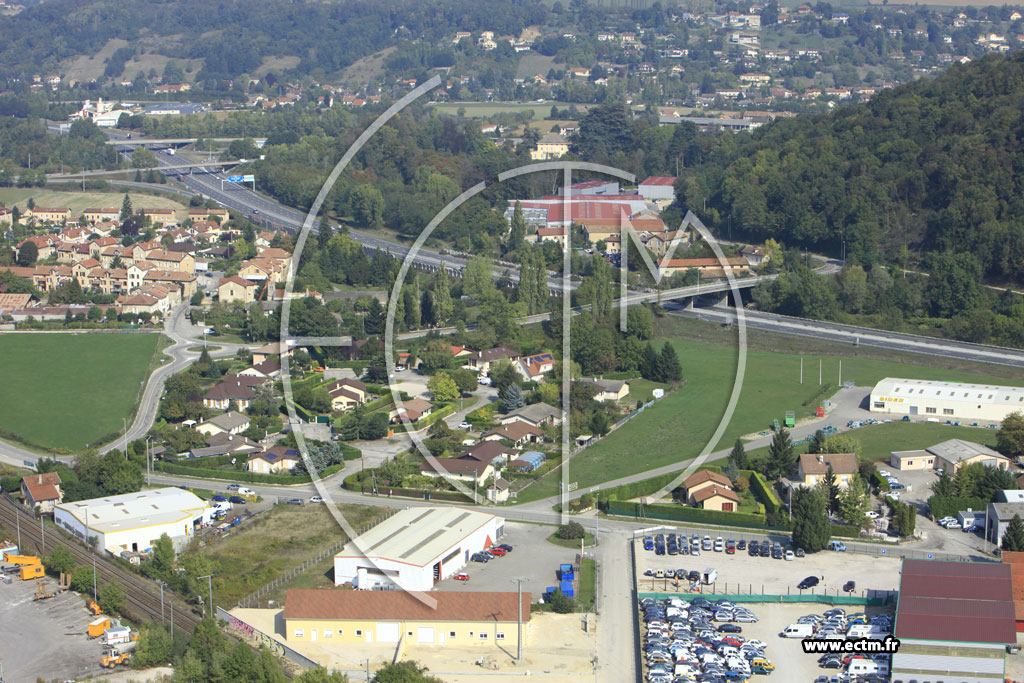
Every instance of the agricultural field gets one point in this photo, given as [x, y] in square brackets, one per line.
[679, 426]
[79, 201]
[72, 389]
[485, 109]
[273, 543]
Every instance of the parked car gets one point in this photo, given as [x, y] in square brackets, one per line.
[953, 525]
[497, 551]
[742, 545]
[850, 586]
[237, 500]
[241, 490]
[219, 498]
[316, 499]
[461, 577]
[480, 557]
[506, 547]
[730, 628]
[809, 582]
[799, 552]
[837, 546]
[465, 425]
[292, 501]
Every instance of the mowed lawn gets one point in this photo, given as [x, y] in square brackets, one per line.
[680, 425]
[64, 391]
[79, 201]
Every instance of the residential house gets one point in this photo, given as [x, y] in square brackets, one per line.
[346, 393]
[42, 214]
[460, 469]
[235, 288]
[607, 389]
[710, 490]
[270, 350]
[536, 414]
[755, 256]
[519, 433]
[953, 454]
[536, 366]
[550, 146]
[100, 215]
[226, 444]
[276, 460]
[488, 452]
[238, 388]
[268, 369]
[813, 468]
[41, 492]
[481, 361]
[412, 410]
[708, 267]
[226, 423]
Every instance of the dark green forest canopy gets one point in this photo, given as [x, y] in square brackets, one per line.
[934, 166]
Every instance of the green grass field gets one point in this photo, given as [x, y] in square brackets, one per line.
[484, 109]
[679, 426]
[79, 201]
[64, 391]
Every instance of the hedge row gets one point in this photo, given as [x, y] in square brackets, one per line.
[352, 483]
[644, 487]
[680, 513]
[878, 481]
[437, 414]
[764, 492]
[845, 531]
[244, 477]
[949, 506]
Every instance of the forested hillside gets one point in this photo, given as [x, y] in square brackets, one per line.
[233, 37]
[935, 166]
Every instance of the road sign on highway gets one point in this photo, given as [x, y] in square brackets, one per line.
[248, 179]
[236, 178]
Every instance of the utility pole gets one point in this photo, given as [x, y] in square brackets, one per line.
[124, 420]
[42, 534]
[18, 517]
[801, 371]
[519, 621]
[840, 373]
[94, 598]
[819, 371]
[147, 459]
[162, 600]
[209, 581]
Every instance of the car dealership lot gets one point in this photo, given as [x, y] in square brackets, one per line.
[740, 573]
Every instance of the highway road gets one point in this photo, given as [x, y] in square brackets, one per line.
[859, 336]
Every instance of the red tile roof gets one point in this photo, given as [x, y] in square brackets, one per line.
[42, 486]
[1016, 562]
[956, 601]
[660, 180]
[701, 476]
[712, 491]
[499, 607]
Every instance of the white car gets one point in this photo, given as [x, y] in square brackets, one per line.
[484, 380]
[465, 425]
[871, 514]
[953, 525]
[316, 499]
[946, 520]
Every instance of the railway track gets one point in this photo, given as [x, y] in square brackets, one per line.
[142, 596]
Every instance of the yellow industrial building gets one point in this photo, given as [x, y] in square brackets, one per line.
[457, 618]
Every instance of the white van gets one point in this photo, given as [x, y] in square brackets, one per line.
[867, 666]
[709, 576]
[686, 670]
[798, 631]
[240, 490]
[867, 631]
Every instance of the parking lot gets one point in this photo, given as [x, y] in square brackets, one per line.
[740, 573]
[534, 560]
[45, 638]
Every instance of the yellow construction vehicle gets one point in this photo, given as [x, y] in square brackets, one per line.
[112, 658]
[94, 608]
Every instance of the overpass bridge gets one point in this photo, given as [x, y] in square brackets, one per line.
[172, 167]
[135, 142]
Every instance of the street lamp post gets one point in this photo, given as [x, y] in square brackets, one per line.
[148, 438]
[124, 420]
[209, 582]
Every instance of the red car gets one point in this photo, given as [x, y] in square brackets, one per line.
[497, 550]
[461, 577]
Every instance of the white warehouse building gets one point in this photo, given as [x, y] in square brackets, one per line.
[416, 548]
[134, 521]
[946, 400]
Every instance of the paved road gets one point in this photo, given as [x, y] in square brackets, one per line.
[859, 336]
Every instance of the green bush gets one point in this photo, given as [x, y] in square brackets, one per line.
[645, 487]
[245, 477]
[949, 506]
[878, 481]
[845, 530]
[763, 491]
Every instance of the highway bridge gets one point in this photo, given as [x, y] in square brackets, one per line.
[135, 142]
[161, 168]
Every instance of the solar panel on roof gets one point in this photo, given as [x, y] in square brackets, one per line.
[422, 543]
[458, 519]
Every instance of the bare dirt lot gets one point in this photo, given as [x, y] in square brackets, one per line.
[47, 638]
